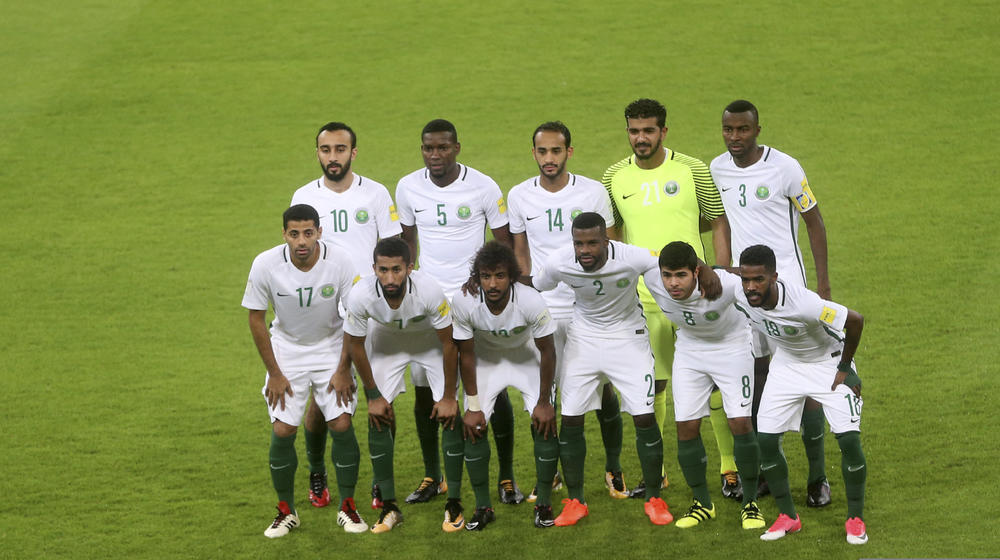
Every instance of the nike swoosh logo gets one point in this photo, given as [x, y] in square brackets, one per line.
[533, 217]
[745, 404]
[338, 465]
[814, 438]
[561, 442]
[283, 295]
[472, 459]
[657, 442]
[544, 460]
[628, 195]
[450, 454]
[855, 420]
[855, 469]
[420, 210]
[575, 286]
[377, 456]
[768, 467]
[274, 468]
[649, 403]
[729, 189]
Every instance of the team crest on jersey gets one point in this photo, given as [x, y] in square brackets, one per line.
[763, 192]
[671, 188]
[361, 216]
[622, 283]
[712, 315]
[464, 212]
[328, 290]
[519, 330]
[575, 212]
[790, 330]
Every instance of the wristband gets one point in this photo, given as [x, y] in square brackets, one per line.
[846, 367]
[472, 403]
[372, 394]
[852, 380]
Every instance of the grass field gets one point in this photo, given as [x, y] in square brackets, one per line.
[148, 149]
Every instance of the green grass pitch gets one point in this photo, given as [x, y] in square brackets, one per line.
[148, 149]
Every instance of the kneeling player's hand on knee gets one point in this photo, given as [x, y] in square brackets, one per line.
[277, 387]
[343, 383]
[379, 412]
[474, 422]
[445, 411]
[543, 418]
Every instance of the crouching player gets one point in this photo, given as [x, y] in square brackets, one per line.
[494, 327]
[712, 350]
[303, 279]
[815, 340]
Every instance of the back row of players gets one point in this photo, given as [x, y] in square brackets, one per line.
[607, 315]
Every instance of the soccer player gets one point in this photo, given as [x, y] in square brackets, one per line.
[815, 340]
[658, 196]
[495, 327]
[607, 340]
[410, 325]
[712, 350]
[541, 211]
[354, 212]
[303, 280]
[764, 192]
[444, 208]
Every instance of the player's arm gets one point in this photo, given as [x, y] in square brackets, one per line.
[522, 251]
[502, 234]
[473, 420]
[342, 382]
[711, 208]
[277, 384]
[409, 235]
[543, 417]
[721, 238]
[379, 408]
[446, 409]
[817, 242]
[852, 337]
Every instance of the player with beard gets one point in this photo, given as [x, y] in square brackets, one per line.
[406, 320]
[355, 212]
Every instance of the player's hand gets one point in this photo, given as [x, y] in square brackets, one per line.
[474, 423]
[342, 382]
[709, 283]
[380, 412]
[543, 418]
[276, 389]
[842, 377]
[470, 286]
[445, 411]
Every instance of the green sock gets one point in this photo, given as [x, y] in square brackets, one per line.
[693, 461]
[380, 447]
[454, 452]
[502, 422]
[427, 431]
[855, 471]
[546, 465]
[610, 417]
[649, 447]
[572, 454]
[315, 449]
[747, 454]
[346, 455]
[477, 461]
[660, 409]
[284, 461]
[723, 437]
[775, 470]
[813, 430]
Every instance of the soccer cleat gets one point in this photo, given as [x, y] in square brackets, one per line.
[482, 517]
[376, 497]
[781, 527]
[285, 521]
[453, 519]
[349, 519]
[428, 489]
[509, 492]
[658, 511]
[695, 515]
[856, 533]
[556, 485]
[762, 488]
[732, 486]
[751, 517]
[543, 517]
[639, 490]
[615, 482]
[319, 494]
[572, 512]
[389, 518]
[818, 494]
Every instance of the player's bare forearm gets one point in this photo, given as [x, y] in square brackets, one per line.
[816, 229]
[526, 280]
[547, 367]
[262, 340]
[852, 334]
[467, 365]
[409, 234]
[522, 251]
[502, 234]
[721, 241]
[450, 352]
[708, 281]
[356, 349]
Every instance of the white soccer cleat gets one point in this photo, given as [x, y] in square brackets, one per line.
[856, 531]
[781, 527]
[349, 519]
[285, 521]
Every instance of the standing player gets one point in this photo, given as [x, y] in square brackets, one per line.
[607, 340]
[494, 328]
[541, 212]
[764, 191]
[446, 206]
[303, 280]
[713, 350]
[411, 325]
[815, 340]
[658, 196]
[354, 213]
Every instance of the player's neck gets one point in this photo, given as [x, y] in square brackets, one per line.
[341, 185]
[448, 178]
[395, 301]
[653, 161]
[497, 308]
[554, 184]
[772, 298]
[752, 157]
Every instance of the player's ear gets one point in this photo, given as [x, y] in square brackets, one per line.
[458, 147]
[319, 232]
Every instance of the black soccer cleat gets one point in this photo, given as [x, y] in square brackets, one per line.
[818, 493]
[509, 492]
[427, 489]
[638, 491]
[762, 488]
[480, 519]
[543, 517]
[732, 486]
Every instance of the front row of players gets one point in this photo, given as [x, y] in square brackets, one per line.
[501, 335]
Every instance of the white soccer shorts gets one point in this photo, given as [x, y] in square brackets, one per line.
[626, 362]
[788, 385]
[295, 405]
[697, 371]
[391, 351]
[511, 370]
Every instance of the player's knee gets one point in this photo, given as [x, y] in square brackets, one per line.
[644, 420]
[741, 425]
[572, 421]
[341, 423]
[688, 430]
[283, 430]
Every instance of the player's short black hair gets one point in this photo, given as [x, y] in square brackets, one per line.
[759, 255]
[742, 106]
[494, 255]
[645, 108]
[590, 220]
[334, 126]
[299, 213]
[440, 125]
[392, 247]
[677, 255]
[552, 126]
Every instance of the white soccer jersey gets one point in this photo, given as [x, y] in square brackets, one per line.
[703, 323]
[451, 221]
[524, 319]
[547, 219]
[607, 304]
[802, 325]
[763, 202]
[307, 331]
[424, 307]
[355, 219]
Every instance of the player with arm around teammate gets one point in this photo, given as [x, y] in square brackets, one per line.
[303, 280]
